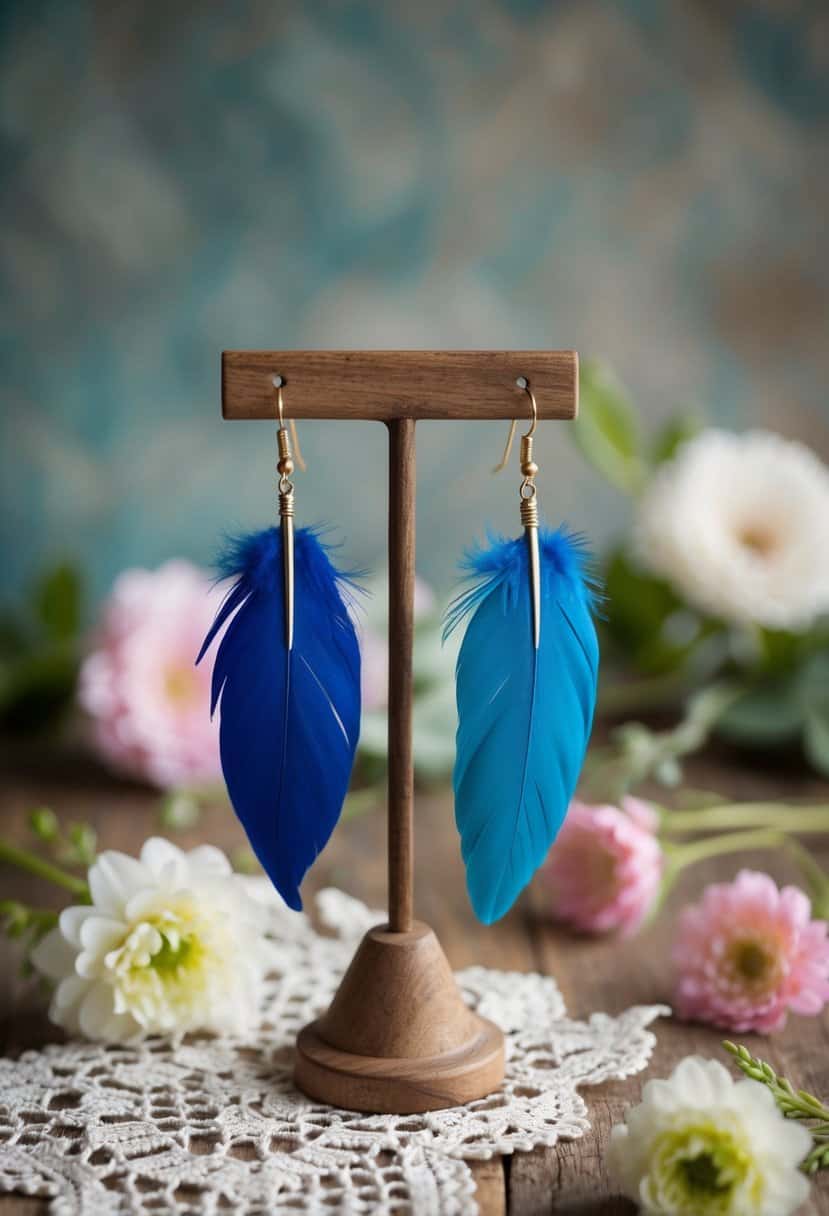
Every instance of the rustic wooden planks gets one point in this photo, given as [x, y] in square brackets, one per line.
[601, 974]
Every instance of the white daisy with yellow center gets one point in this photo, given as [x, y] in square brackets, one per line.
[170, 943]
[700, 1144]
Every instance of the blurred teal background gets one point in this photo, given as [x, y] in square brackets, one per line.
[644, 181]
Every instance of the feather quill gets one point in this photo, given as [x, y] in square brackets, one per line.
[289, 719]
[524, 714]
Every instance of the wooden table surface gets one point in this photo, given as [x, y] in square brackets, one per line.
[603, 974]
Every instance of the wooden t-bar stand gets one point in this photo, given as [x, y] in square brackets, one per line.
[398, 1037]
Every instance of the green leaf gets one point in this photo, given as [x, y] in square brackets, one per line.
[607, 431]
[57, 603]
[670, 438]
[36, 690]
[13, 638]
[641, 612]
[813, 681]
[765, 713]
[780, 650]
[816, 740]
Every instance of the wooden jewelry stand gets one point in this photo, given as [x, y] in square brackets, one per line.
[398, 1037]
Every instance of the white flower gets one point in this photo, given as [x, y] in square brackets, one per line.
[740, 525]
[700, 1145]
[170, 943]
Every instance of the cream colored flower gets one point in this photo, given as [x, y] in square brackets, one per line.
[739, 524]
[170, 943]
[700, 1144]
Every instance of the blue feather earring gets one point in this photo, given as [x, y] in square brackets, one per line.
[526, 690]
[287, 678]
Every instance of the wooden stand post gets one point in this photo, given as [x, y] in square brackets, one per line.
[402, 480]
[398, 1037]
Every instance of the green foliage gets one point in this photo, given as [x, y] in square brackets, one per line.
[57, 603]
[782, 677]
[767, 713]
[39, 653]
[670, 438]
[75, 846]
[80, 845]
[44, 823]
[781, 709]
[607, 431]
[640, 607]
[816, 739]
[794, 1103]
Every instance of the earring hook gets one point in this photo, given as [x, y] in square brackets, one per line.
[523, 383]
[277, 383]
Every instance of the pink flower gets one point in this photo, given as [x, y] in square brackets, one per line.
[747, 953]
[149, 705]
[605, 867]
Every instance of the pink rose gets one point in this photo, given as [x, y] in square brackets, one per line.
[605, 867]
[149, 705]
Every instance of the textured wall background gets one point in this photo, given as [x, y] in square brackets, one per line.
[643, 180]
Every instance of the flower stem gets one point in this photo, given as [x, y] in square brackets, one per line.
[30, 862]
[683, 855]
[748, 815]
[680, 856]
[793, 1103]
[816, 880]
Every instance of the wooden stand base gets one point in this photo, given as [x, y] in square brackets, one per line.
[398, 1038]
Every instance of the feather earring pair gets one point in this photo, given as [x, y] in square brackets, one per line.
[526, 691]
[287, 674]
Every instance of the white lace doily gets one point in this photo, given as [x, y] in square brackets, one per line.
[214, 1125]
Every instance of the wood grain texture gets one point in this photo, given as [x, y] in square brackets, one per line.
[398, 1037]
[402, 487]
[594, 975]
[387, 384]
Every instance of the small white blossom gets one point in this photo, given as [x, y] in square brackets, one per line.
[739, 524]
[170, 943]
[700, 1144]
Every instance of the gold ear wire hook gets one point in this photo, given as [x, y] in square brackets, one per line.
[292, 425]
[528, 496]
[528, 435]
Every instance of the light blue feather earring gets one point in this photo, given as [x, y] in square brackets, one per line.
[287, 681]
[526, 691]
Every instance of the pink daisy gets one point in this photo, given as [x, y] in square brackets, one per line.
[605, 867]
[148, 704]
[749, 952]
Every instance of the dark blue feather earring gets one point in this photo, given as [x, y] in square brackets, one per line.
[287, 679]
[526, 691]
